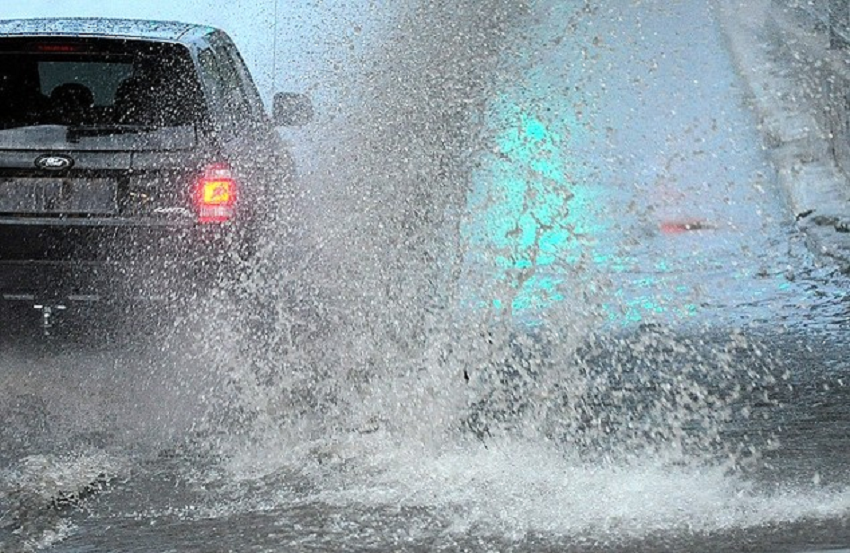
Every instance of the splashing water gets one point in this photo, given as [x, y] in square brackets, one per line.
[472, 366]
[459, 332]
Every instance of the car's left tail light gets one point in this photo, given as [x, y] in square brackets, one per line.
[215, 195]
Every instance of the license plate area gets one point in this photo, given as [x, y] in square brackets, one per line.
[52, 196]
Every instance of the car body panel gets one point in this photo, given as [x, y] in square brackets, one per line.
[103, 27]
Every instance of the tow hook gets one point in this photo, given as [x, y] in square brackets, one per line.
[47, 314]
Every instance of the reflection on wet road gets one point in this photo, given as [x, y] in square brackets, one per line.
[625, 161]
[640, 354]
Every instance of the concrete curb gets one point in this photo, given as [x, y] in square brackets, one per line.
[817, 190]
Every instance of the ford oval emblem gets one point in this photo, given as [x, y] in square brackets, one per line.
[53, 162]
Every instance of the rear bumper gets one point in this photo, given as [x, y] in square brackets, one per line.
[90, 282]
[87, 264]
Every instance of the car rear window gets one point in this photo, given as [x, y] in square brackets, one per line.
[97, 83]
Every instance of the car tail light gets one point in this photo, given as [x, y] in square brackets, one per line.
[215, 195]
[55, 47]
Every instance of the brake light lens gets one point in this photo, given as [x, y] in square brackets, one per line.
[54, 47]
[215, 195]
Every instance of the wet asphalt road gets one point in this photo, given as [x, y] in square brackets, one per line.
[685, 386]
[769, 474]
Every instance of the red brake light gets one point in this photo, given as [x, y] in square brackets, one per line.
[48, 47]
[215, 194]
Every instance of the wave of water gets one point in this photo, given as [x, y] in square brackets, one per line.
[409, 359]
[382, 387]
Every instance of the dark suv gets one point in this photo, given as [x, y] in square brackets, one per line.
[136, 158]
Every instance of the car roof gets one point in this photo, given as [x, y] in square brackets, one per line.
[104, 27]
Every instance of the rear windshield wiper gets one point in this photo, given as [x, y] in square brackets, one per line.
[75, 133]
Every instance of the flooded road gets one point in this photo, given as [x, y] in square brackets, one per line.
[561, 306]
[762, 470]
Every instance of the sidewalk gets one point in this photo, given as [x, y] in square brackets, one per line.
[769, 48]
